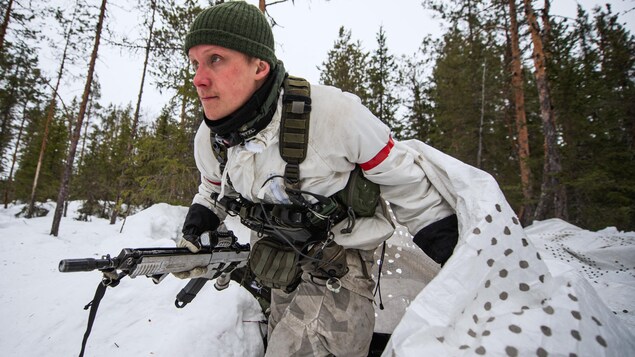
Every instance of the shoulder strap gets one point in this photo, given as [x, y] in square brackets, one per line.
[294, 128]
[294, 125]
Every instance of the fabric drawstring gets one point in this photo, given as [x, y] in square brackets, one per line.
[223, 181]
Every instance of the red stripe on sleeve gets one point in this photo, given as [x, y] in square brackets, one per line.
[213, 182]
[380, 157]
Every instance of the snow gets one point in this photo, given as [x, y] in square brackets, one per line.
[42, 309]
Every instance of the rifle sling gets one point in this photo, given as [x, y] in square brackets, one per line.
[94, 305]
[188, 293]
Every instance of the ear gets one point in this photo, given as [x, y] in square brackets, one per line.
[263, 69]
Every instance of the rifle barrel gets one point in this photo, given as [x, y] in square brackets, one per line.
[86, 264]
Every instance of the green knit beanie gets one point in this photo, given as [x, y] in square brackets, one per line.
[236, 25]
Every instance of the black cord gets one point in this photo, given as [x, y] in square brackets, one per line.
[381, 264]
[287, 240]
[320, 198]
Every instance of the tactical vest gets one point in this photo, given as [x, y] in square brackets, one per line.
[360, 196]
[289, 232]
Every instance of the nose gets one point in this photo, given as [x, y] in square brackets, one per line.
[200, 78]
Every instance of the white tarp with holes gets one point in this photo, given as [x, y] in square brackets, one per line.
[501, 295]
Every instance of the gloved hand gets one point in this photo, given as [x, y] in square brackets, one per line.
[190, 241]
[438, 239]
[193, 243]
[198, 220]
[191, 274]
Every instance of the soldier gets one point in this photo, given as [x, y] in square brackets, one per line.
[309, 189]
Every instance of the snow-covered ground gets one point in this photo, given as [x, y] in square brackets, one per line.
[42, 309]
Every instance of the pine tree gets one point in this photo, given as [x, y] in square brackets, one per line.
[5, 23]
[68, 46]
[106, 154]
[553, 198]
[19, 144]
[18, 66]
[21, 85]
[383, 76]
[469, 90]
[346, 66]
[418, 121]
[592, 68]
[526, 210]
[52, 164]
[164, 166]
[171, 65]
[135, 122]
[464, 98]
[63, 192]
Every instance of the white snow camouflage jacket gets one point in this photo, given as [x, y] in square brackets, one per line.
[342, 133]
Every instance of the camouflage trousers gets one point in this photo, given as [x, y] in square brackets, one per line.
[314, 321]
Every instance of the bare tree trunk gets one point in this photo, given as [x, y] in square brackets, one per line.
[88, 111]
[135, 121]
[546, 28]
[552, 201]
[183, 106]
[14, 158]
[526, 210]
[6, 117]
[49, 118]
[5, 24]
[479, 153]
[78, 126]
[262, 6]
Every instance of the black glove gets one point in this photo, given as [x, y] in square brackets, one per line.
[438, 239]
[199, 219]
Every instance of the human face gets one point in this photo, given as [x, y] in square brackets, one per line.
[225, 79]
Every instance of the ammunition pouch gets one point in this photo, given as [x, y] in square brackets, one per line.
[328, 261]
[360, 194]
[276, 264]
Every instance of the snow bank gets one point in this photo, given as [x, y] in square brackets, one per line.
[42, 309]
[160, 221]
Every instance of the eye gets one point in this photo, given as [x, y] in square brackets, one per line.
[214, 59]
[194, 65]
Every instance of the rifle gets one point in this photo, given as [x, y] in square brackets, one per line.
[220, 254]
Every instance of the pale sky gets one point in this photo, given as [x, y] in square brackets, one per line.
[306, 32]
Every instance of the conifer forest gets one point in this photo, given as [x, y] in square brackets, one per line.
[544, 103]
